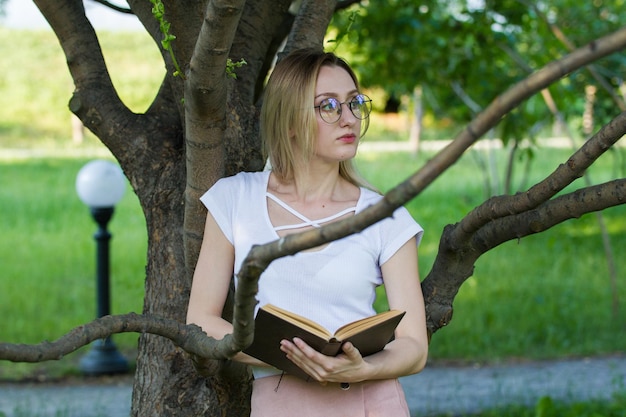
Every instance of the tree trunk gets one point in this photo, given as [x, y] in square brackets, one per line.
[220, 138]
[166, 384]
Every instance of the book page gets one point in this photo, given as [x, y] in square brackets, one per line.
[355, 327]
[298, 320]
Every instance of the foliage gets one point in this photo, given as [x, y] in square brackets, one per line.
[231, 66]
[158, 11]
[464, 52]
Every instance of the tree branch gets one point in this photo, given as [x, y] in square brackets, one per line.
[569, 206]
[114, 6]
[311, 24]
[565, 174]
[206, 91]
[94, 89]
[503, 218]
[206, 88]
[344, 4]
[188, 337]
[263, 28]
[95, 100]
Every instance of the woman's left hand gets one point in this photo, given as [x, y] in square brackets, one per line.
[345, 367]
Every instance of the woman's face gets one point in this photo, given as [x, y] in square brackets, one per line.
[336, 141]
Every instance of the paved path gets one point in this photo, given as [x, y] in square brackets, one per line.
[437, 390]
[459, 391]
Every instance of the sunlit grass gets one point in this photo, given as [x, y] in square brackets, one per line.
[546, 406]
[36, 84]
[47, 253]
[544, 296]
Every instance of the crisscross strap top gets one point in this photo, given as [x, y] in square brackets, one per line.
[305, 220]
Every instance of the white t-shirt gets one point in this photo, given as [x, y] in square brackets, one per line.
[332, 286]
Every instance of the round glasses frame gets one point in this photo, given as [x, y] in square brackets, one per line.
[330, 109]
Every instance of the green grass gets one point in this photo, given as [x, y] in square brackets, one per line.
[47, 253]
[547, 407]
[545, 296]
[36, 84]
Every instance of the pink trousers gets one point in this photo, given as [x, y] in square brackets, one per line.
[293, 397]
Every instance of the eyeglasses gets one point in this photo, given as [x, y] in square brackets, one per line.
[330, 109]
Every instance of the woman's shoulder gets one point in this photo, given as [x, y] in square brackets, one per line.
[244, 179]
[369, 197]
[237, 186]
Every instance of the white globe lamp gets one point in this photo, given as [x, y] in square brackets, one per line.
[100, 184]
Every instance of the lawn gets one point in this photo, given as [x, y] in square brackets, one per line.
[545, 296]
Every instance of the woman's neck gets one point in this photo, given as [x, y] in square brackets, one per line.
[314, 186]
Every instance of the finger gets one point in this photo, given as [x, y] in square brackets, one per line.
[304, 347]
[296, 351]
[307, 358]
[351, 351]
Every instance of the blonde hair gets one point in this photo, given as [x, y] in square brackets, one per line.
[288, 113]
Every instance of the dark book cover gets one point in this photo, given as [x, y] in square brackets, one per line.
[272, 325]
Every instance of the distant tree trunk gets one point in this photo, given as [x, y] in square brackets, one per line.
[590, 98]
[415, 132]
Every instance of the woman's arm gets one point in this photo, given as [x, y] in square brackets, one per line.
[409, 350]
[211, 282]
[405, 355]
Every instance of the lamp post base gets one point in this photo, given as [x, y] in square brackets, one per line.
[103, 359]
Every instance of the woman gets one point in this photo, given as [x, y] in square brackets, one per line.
[312, 118]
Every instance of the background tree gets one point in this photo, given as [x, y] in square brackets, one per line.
[461, 54]
[202, 125]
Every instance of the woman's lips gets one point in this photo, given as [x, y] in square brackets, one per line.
[348, 138]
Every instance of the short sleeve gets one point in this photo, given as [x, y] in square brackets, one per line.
[396, 231]
[220, 201]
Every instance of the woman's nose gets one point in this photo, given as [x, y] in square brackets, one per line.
[345, 115]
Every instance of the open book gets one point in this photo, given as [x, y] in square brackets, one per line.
[273, 324]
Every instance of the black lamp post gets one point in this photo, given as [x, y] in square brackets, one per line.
[100, 185]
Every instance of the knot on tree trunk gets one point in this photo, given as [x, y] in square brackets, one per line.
[438, 315]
